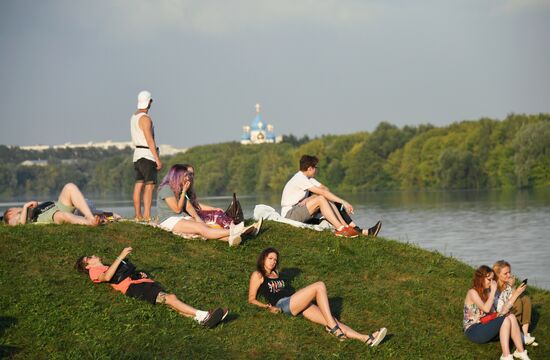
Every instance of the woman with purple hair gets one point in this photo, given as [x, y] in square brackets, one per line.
[177, 214]
[199, 211]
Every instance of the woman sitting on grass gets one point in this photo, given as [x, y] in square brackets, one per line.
[171, 198]
[478, 302]
[281, 298]
[60, 212]
[521, 308]
[199, 211]
[138, 285]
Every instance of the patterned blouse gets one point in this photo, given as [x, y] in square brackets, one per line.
[502, 298]
[471, 315]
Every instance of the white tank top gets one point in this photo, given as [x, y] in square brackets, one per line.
[138, 138]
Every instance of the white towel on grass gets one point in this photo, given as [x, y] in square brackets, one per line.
[268, 213]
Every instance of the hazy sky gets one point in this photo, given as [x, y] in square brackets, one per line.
[70, 70]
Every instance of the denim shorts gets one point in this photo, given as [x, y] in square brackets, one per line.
[284, 305]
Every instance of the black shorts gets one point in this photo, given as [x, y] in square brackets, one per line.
[146, 171]
[147, 291]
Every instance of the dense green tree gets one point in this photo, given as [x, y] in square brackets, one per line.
[486, 153]
[532, 149]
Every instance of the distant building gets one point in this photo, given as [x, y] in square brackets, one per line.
[258, 132]
[163, 149]
[34, 163]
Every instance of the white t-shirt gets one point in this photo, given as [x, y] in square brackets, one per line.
[296, 189]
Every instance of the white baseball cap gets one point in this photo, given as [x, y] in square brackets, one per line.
[144, 98]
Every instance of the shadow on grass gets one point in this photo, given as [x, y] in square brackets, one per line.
[336, 306]
[230, 318]
[290, 273]
[7, 350]
[388, 337]
[535, 316]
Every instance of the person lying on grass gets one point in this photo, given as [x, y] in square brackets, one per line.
[281, 298]
[171, 199]
[124, 278]
[479, 302]
[521, 308]
[60, 212]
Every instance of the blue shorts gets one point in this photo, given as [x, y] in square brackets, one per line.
[284, 305]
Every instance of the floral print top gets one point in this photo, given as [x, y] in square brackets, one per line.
[502, 298]
[471, 315]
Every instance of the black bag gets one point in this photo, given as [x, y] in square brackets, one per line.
[33, 213]
[124, 270]
[235, 211]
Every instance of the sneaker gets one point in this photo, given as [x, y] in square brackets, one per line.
[225, 312]
[235, 232]
[346, 232]
[509, 357]
[257, 227]
[352, 230]
[373, 231]
[234, 240]
[214, 317]
[528, 339]
[521, 355]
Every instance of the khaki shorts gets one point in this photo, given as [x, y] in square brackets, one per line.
[47, 216]
[299, 213]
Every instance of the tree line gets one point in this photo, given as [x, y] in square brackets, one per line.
[480, 154]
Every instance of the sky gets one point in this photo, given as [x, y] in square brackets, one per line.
[70, 70]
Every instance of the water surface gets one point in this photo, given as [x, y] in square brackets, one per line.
[477, 227]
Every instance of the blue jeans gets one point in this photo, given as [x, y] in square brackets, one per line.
[482, 333]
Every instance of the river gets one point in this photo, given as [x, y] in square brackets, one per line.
[477, 227]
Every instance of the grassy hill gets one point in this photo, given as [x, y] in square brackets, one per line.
[48, 310]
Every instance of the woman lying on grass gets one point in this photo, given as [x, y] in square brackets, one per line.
[281, 298]
[138, 285]
[60, 212]
[479, 302]
[521, 308]
[171, 199]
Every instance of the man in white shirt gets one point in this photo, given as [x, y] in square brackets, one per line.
[304, 197]
[146, 156]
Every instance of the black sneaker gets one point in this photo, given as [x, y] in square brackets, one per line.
[373, 231]
[225, 312]
[214, 317]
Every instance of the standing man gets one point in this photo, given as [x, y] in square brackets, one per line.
[304, 197]
[146, 157]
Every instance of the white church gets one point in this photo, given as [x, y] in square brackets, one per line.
[258, 132]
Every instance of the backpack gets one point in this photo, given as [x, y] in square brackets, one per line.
[124, 270]
[235, 211]
[33, 213]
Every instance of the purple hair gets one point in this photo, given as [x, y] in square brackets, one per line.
[174, 179]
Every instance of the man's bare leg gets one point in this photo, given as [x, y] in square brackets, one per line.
[148, 200]
[320, 203]
[138, 187]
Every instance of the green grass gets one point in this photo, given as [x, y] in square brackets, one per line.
[48, 310]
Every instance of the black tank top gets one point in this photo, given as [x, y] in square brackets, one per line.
[275, 289]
